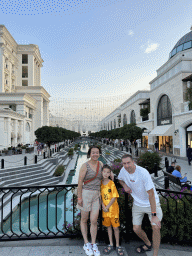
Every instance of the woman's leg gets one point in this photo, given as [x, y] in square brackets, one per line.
[84, 218]
[93, 219]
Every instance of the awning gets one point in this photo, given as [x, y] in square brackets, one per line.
[163, 130]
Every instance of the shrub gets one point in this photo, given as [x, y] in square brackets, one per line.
[117, 160]
[59, 171]
[70, 152]
[148, 159]
[116, 167]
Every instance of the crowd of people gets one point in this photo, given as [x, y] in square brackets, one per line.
[96, 190]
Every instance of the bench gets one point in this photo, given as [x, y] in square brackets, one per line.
[176, 180]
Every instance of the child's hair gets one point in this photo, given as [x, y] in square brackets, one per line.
[106, 166]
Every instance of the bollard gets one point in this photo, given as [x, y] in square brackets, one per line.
[127, 149]
[155, 170]
[36, 159]
[130, 151]
[165, 160]
[2, 163]
[53, 150]
[167, 164]
[43, 155]
[25, 160]
[50, 152]
[166, 182]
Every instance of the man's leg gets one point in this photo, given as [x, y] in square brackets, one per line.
[156, 239]
[141, 234]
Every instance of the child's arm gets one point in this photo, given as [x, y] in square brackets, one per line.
[110, 203]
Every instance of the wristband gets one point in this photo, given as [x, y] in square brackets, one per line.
[79, 198]
[154, 214]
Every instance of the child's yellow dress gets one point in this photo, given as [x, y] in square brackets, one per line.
[112, 216]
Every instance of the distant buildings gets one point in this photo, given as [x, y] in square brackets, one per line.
[24, 103]
[165, 111]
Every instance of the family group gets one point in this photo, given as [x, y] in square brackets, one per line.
[96, 189]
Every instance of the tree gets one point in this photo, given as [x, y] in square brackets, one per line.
[48, 135]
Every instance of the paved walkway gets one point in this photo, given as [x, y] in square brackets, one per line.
[73, 247]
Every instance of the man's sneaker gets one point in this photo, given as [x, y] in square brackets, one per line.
[95, 250]
[88, 249]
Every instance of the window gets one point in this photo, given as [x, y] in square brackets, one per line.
[132, 117]
[173, 52]
[24, 72]
[180, 48]
[164, 111]
[187, 45]
[124, 119]
[114, 123]
[24, 58]
[24, 82]
[27, 127]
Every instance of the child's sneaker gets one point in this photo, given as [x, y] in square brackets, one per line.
[95, 250]
[88, 249]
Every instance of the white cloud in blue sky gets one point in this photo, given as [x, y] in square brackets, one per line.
[151, 47]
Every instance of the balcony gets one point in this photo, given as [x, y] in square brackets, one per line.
[6, 70]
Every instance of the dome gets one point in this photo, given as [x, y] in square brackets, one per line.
[183, 44]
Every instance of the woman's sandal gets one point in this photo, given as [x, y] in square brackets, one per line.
[108, 249]
[120, 251]
[142, 250]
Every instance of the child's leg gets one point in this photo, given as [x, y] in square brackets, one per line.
[110, 235]
[116, 232]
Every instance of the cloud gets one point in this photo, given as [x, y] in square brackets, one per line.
[151, 47]
[130, 33]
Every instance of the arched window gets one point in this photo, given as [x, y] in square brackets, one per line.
[132, 117]
[111, 125]
[164, 111]
[124, 119]
[27, 127]
[114, 123]
[108, 126]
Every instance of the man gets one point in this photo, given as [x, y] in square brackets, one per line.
[156, 146]
[137, 181]
[171, 168]
[189, 154]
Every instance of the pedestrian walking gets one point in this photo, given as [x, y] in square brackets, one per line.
[156, 146]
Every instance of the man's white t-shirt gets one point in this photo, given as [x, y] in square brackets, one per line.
[139, 182]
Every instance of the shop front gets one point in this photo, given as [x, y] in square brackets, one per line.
[189, 135]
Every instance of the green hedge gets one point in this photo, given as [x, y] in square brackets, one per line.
[59, 170]
[148, 160]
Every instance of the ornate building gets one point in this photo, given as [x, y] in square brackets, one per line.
[24, 103]
[165, 111]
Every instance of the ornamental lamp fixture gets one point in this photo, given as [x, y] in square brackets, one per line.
[176, 131]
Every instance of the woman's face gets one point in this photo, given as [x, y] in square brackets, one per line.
[94, 153]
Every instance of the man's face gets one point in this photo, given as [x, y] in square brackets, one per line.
[128, 164]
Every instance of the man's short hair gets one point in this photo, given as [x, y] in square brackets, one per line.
[125, 156]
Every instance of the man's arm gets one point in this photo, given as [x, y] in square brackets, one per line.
[124, 185]
[152, 201]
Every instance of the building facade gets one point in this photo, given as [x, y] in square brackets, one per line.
[165, 111]
[24, 103]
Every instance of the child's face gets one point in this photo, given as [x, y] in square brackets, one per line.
[106, 173]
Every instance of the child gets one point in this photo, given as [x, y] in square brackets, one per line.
[110, 208]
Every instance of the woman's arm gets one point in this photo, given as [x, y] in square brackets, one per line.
[82, 174]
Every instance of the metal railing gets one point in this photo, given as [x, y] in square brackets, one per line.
[50, 212]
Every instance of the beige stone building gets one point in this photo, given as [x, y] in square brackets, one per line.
[169, 120]
[24, 103]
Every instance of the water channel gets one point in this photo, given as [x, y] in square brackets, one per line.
[51, 208]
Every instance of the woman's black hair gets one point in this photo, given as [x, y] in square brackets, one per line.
[89, 151]
[106, 166]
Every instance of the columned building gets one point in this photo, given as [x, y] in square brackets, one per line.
[165, 113]
[24, 103]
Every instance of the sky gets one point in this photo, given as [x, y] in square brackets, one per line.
[98, 48]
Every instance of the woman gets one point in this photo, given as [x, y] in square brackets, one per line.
[89, 198]
[177, 173]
